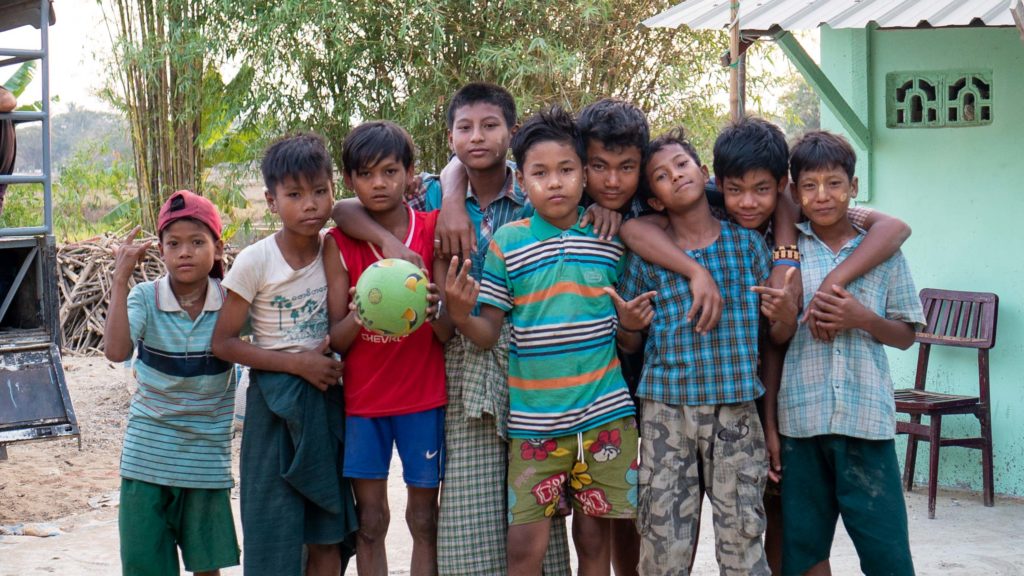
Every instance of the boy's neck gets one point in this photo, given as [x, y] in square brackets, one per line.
[188, 291]
[695, 227]
[836, 235]
[487, 184]
[298, 250]
[395, 221]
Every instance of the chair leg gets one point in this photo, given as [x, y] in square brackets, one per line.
[908, 464]
[985, 420]
[934, 441]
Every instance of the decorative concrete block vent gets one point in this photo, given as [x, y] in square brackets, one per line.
[943, 99]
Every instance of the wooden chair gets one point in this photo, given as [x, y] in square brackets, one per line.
[960, 319]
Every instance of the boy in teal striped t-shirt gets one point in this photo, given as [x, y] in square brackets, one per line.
[568, 402]
[176, 463]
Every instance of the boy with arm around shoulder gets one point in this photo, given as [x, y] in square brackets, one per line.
[394, 385]
[176, 463]
[292, 491]
[751, 167]
[570, 412]
[698, 415]
[836, 411]
[472, 530]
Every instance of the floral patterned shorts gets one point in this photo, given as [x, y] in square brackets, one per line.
[596, 468]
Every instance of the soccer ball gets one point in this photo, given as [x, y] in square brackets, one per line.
[391, 297]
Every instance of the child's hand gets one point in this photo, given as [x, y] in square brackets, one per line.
[707, 299]
[433, 302]
[413, 189]
[606, 222]
[353, 310]
[839, 311]
[636, 314]
[318, 366]
[395, 248]
[129, 254]
[780, 304]
[817, 331]
[461, 290]
[774, 447]
[780, 275]
[454, 234]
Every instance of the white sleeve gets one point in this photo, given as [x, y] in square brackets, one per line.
[246, 274]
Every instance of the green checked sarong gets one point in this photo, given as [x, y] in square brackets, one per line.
[472, 529]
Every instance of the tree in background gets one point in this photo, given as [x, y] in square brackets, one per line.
[800, 107]
[327, 65]
[160, 59]
[166, 81]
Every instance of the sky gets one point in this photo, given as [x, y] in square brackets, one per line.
[79, 52]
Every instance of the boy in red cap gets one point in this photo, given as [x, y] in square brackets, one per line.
[176, 462]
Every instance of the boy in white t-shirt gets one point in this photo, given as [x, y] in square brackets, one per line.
[292, 490]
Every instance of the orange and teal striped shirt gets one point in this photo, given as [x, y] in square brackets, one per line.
[564, 375]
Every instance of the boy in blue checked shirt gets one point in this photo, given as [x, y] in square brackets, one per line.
[751, 165]
[698, 415]
[836, 411]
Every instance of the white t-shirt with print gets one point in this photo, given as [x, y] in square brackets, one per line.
[287, 307]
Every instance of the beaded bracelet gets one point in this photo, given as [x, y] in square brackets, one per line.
[786, 253]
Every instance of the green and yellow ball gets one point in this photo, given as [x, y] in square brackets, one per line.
[391, 297]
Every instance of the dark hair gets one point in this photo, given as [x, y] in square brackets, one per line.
[747, 144]
[616, 124]
[552, 124]
[821, 150]
[476, 92]
[294, 155]
[675, 136]
[371, 142]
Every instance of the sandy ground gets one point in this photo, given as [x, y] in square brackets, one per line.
[76, 491]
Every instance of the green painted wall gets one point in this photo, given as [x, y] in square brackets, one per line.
[962, 192]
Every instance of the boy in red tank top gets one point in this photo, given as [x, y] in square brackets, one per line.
[394, 385]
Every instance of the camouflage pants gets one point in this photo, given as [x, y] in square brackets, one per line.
[725, 444]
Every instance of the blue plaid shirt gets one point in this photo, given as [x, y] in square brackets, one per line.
[844, 387]
[683, 367]
[508, 206]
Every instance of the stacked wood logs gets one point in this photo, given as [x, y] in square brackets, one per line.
[84, 276]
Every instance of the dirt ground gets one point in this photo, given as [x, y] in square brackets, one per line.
[55, 484]
[43, 481]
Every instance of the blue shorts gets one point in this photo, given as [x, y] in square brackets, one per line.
[420, 439]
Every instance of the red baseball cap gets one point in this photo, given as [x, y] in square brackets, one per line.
[185, 204]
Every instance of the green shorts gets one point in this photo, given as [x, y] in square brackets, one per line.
[597, 468]
[154, 521]
[832, 475]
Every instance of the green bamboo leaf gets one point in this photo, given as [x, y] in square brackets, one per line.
[21, 78]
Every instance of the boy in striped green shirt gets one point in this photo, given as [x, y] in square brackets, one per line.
[569, 405]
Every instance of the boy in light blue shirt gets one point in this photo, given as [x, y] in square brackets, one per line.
[836, 411]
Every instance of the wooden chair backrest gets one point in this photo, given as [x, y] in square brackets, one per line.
[955, 318]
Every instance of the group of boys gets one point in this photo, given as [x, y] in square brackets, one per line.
[548, 352]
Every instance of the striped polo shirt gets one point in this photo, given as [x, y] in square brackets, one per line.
[564, 375]
[179, 419]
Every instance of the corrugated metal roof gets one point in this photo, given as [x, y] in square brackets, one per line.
[763, 15]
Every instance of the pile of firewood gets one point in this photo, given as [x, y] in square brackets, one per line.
[84, 276]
